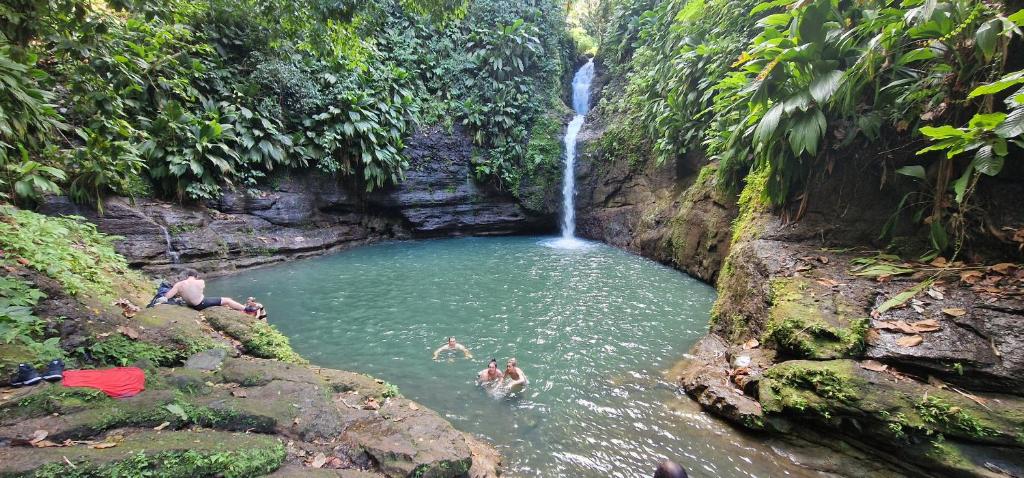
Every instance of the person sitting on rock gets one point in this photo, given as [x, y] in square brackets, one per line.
[191, 291]
[452, 345]
[490, 375]
[669, 469]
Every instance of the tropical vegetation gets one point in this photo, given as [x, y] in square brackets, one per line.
[185, 100]
[781, 91]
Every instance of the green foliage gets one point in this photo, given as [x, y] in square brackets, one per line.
[266, 341]
[66, 249]
[20, 325]
[935, 411]
[196, 98]
[121, 351]
[390, 391]
[781, 86]
[242, 463]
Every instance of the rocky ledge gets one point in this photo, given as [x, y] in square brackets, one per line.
[305, 215]
[226, 396]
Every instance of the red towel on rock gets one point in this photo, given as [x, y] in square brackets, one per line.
[120, 382]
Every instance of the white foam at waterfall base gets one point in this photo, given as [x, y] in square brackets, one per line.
[581, 104]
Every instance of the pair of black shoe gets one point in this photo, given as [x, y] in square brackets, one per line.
[27, 375]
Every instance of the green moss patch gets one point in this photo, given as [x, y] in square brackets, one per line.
[148, 453]
[259, 338]
[807, 320]
[902, 411]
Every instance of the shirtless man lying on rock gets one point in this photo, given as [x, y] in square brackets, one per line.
[191, 291]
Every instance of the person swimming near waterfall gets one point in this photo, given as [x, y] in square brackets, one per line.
[191, 290]
[515, 379]
[452, 346]
[490, 375]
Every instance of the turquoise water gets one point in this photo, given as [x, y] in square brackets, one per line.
[592, 328]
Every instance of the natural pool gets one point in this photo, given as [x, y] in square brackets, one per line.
[592, 328]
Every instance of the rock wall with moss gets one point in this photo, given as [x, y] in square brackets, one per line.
[225, 393]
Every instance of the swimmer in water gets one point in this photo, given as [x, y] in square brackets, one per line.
[515, 379]
[490, 375]
[452, 345]
[669, 469]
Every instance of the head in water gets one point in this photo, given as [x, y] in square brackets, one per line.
[451, 341]
[191, 273]
[492, 365]
[511, 365]
[669, 469]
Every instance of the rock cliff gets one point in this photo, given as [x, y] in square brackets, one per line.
[308, 215]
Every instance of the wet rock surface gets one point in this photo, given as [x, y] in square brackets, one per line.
[310, 214]
[673, 214]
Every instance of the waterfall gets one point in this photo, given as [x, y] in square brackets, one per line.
[581, 104]
[171, 253]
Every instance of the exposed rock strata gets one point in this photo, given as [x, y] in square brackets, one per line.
[673, 214]
[311, 214]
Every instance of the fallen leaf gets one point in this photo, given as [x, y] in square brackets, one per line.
[955, 312]
[46, 444]
[38, 435]
[803, 268]
[873, 365]
[823, 259]
[970, 277]
[1003, 267]
[935, 294]
[917, 308]
[939, 262]
[897, 326]
[828, 282]
[319, 460]
[413, 407]
[928, 325]
[128, 332]
[238, 393]
[106, 444]
[911, 341]
[162, 426]
[751, 344]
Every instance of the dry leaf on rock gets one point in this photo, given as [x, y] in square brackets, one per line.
[873, 365]
[828, 282]
[751, 344]
[413, 407]
[911, 341]
[1003, 267]
[955, 312]
[106, 444]
[128, 332]
[38, 435]
[318, 461]
[935, 294]
[238, 393]
[162, 426]
[928, 325]
[971, 277]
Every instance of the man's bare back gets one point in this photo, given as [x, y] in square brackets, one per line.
[191, 289]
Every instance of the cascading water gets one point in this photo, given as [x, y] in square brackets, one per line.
[171, 253]
[581, 104]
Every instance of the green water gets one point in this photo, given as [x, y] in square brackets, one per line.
[592, 329]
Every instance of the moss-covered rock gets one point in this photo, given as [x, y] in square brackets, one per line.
[808, 320]
[257, 337]
[165, 454]
[829, 391]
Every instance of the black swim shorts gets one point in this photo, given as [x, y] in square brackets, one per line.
[207, 302]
